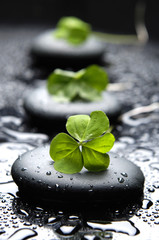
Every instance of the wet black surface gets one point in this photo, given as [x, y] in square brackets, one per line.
[37, 179]
[133, 71]
[46, 112]
[48, 50]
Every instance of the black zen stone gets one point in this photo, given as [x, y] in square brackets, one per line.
[45, 110]
[48, 49]
[37, 179]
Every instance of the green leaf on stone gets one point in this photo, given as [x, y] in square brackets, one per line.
[72, 163]
[86, 84]
[95, 161]
[95, 77]
[76, 126]
[98, 124]
[90, 151]
[61, 146]
[102, 144]
[83, 127]
[57, 79]
[88, 93]
[73, 30]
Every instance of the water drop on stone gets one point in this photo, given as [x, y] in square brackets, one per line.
[121, 180]
[23, 169]
[57, 187]
[60, 176]
[124, 174]
[48, 173]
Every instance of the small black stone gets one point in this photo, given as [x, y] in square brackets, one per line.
[41, 106]
[122, 182]
[48, 48]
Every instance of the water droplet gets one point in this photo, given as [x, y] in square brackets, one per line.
[23, 169]
[121, 180]
[52, 220]
[126, 227]
[151, 189]
[72, 217]
[156, 222]
[39, 209]
[48, 173]
[71, 178]
[146, 204]
[2, 231]
[60, 175]
[39, 181]
[27, 224]
[57, 187]
[156, 184]
[8, 173]
[138, 214]
[124, 174]
[135, 116]
[91, 188]
[23, 233]
[67, 230]
[127, 139]
[90, 237]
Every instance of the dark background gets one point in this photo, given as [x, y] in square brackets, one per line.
[109, 16]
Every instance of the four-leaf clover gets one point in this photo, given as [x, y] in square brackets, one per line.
[90, 149]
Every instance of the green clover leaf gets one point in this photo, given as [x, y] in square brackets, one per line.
[66, 154]
[73, 30]
[83, 127]
[101, 144]
[95, 161]
[91, 149]
[86, 84]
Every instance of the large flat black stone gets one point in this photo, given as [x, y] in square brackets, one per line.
[47, 48]
[45, 110]
[36, 178]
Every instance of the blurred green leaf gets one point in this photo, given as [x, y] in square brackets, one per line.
[86, 84]
[73, 30]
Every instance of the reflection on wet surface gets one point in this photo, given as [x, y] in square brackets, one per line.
[137, 137]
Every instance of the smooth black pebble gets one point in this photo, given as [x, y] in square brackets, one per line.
[45, 111]
[48, 49]
[37, 179]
